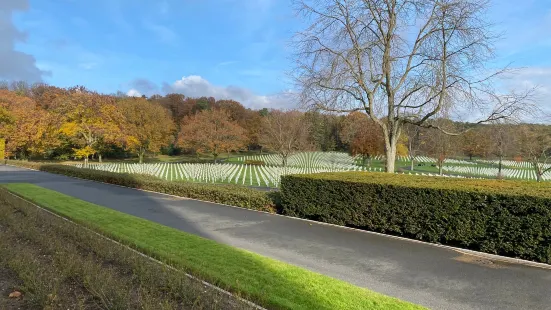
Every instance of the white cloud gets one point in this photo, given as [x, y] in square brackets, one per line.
[14, 64]
[531, 77]
[196, 86]
[528, 78]
[133, 93]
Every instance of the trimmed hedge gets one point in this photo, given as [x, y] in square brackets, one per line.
[511, 218]
[234, 195]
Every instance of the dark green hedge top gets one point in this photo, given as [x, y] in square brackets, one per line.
[490, 186]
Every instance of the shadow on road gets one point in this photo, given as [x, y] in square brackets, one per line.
[168, 211]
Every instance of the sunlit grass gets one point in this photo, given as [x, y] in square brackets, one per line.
[269, 282]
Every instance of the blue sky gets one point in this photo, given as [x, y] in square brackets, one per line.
[222, 48]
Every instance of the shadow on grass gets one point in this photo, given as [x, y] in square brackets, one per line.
[271, 283]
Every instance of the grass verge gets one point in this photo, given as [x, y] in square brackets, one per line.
[270, 283]
[74, 268]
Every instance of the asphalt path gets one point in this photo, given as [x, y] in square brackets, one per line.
[424, 274]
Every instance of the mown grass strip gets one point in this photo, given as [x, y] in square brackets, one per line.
[269, 282]
[75, 268]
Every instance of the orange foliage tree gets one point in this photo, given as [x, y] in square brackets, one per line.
[212, 132]
[27, 128]
[363, 136]
[248, 119]
[147, 126]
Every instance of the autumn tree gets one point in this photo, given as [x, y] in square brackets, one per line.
[27, 128]
[212, 132]
[285, 132]
[253, 126]
[535, 147]
[147, 126]
[400, 62]
[248, 119]
[88, 117]
[363, 136]
[7, 99]
[475, 143]
[44, 95]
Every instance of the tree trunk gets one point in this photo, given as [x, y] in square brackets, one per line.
[99, 158]
[537, 170]
[364, 158]
[500, 165]
[412, 163]
[215, 158]
[85, 160]
[390, 152]
[284, 160]
[140, 157]
[441, 169]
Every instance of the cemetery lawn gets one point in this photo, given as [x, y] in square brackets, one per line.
[268, 282]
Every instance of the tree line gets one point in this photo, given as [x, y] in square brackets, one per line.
[47, 122]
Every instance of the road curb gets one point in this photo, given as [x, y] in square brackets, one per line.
[483, 255]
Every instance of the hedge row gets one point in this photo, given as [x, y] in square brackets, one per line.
[511, 218]
[234, 195]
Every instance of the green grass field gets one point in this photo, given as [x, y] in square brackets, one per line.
[271, 283]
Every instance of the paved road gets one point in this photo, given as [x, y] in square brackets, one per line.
[427, 275]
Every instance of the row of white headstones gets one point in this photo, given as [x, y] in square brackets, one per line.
[251, 175]
[492, 172]
[306, 162]
[330, 159]
[218, 173]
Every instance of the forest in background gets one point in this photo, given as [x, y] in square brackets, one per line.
[46, 122]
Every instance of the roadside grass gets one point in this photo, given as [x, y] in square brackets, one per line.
[268, 282]
[60, 265]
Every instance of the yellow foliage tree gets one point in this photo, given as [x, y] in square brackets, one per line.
[84, 152]
[89, 119]
[2, 149]
[147, 125]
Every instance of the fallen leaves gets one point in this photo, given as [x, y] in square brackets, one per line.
[15, 294]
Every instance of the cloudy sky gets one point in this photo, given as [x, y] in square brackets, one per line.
[222, 48]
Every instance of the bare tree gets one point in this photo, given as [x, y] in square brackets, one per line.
[535, 145]
[285, 133]
[501, 142]
[414, 137]
[400, 61]
[440, 145]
